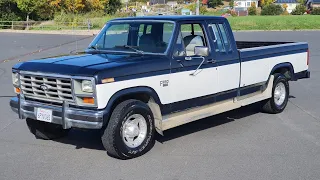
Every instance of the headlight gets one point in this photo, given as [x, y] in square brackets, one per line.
[87, 86]
[15, 79]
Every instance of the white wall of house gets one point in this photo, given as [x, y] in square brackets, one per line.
[291, 6]
[245, 3]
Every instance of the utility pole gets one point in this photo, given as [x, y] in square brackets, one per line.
[197, 9]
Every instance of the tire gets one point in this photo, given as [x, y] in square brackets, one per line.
[272, 105]
[46, 131]
[118, 140]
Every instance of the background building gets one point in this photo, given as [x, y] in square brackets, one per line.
[291, 4]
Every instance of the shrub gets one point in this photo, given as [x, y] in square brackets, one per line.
[285, 13]
[202, 9]
[271, 9]
[232, 13]
[315, 11]
[252, 10]
[299, 10]
[231, 4]
[214, 3]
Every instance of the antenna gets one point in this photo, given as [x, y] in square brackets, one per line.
[73, 29]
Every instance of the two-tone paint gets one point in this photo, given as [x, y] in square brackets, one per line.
[222, 76]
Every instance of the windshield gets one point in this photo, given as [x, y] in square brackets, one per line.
[137, 37]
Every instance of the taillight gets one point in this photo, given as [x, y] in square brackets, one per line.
[308, 57]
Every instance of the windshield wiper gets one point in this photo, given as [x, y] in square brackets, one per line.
[130, 47]
[93, 47]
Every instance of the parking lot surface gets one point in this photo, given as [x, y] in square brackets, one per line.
[241, 144]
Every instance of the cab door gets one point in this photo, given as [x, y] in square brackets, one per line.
[194, 78]
[226, 55]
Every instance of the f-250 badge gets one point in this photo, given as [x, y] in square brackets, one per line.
[164, 83]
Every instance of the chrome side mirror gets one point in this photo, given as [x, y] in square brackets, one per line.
[201, 51]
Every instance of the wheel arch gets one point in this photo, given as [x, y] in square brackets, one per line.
[143, 93]
[285, 68]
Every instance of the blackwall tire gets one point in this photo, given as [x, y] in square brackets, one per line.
[130, 131]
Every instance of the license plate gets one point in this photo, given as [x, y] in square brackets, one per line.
[44, 115]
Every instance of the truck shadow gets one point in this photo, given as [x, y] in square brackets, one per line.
[90, 139]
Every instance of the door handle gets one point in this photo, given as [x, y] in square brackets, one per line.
[188, 58]
[211, 61]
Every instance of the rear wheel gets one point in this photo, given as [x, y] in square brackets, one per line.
[280, 95]
[130, 131]
[44, 130]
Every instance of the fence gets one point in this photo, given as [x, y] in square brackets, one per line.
[46, 25]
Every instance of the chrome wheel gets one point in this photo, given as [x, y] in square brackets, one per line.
[134, 130]
[279, 94]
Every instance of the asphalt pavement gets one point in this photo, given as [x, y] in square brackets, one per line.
[241, 144]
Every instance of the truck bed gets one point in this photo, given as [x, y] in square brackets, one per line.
[259, 58]
[251, 44]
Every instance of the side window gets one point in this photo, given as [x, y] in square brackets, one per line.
[222, 43]
[148, 31]
[218, 44]
[167, 29]
[179, 49]
[190, 36]
[225, 37]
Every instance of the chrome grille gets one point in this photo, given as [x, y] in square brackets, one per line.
[46, 88]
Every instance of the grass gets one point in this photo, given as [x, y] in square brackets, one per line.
[303, 22]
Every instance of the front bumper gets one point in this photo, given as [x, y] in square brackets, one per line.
[66, 116]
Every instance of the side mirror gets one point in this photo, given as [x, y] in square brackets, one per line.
[201, 51]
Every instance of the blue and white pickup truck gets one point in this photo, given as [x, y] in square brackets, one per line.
[142, 75]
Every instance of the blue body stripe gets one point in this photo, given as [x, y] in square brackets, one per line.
[208, 65]
[251, 54]
[209, 99]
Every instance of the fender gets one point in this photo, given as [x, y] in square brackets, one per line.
[133, 90]
[279, 66]
[283, 65]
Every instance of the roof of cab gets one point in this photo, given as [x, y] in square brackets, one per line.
[172, 18]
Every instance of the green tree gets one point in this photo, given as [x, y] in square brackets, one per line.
[112, 6]
[252, 10]
[231, 4]
[266, 2]
[27, 6]
[214, 3]
[9, 12]
[44, 10]
[271, 9]
[299, 10]
[71, 6]
[315, 11]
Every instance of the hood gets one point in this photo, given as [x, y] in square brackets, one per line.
[72, 64]
[102, 65]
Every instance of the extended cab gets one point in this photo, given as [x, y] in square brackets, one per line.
[143, 75]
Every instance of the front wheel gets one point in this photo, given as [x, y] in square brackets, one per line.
[280, 95]
[130, 130]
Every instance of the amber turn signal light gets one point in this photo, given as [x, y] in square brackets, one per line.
[107, 80]
[88, 100]
[17, 90]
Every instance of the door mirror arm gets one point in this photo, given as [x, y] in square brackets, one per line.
[194, 73]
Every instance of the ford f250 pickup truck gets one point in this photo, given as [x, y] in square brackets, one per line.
[142, 75]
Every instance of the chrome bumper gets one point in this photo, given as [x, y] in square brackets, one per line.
[66, 116]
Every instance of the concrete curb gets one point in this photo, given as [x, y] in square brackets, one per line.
[95, 32]
[62, 32]
[284, 30]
